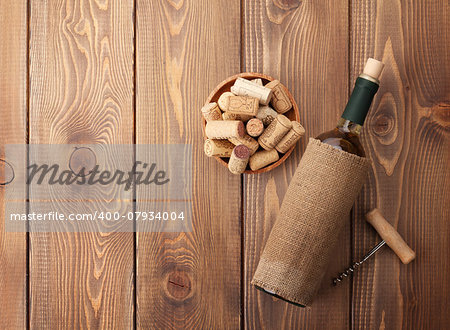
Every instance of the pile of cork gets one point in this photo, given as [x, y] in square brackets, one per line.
[243, 127]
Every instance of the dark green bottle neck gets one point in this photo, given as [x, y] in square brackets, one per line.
[361, 99]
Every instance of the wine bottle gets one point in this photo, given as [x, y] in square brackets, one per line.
[346, 134]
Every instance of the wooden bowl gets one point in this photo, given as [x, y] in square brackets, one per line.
[225, 86]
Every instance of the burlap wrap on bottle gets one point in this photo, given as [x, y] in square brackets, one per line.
[314, 210]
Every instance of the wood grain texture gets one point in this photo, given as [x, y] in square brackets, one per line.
[81, 85]
[304, 45]
[81, 91]
[184, 49]
[407, 136]
[13, 110]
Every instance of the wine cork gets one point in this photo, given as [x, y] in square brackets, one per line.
[248, 141]
[373, 68]
[273, 134]
[263, 158]
[224, 129]
[211, 111]
[239, 159]
[266, 114]
[291, 138]
[235, 116]
[257, 81]
[280, 99]
[255, 127]
[223, 100]
[220, 148]
[245, 87]
[243, 105]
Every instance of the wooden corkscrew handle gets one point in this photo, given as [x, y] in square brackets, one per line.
[390, 236]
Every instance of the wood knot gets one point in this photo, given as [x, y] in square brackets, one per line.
[383, 124]
[287, 4]
[82, 161]
[440, 113]
[6, 173]
[178, 285]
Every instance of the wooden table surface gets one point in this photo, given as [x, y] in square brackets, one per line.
[99, 71]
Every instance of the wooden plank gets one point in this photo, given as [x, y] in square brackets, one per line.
[184, 49]
[407, 136]
[81, 91]
[13, 100]
[304, 44]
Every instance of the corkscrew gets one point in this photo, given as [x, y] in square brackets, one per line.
[349, 271]
[390, 237]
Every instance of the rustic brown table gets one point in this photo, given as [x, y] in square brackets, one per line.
[99, 71]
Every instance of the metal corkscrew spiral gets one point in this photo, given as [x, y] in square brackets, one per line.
[349, 271]
[346, 273]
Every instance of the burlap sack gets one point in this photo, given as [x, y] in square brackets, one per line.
[314, 211]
